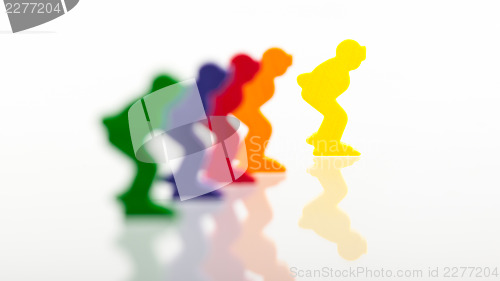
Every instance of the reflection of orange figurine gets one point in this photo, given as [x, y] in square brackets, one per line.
[254, 247]
[323, 215]
[256, 93]
[321, 87]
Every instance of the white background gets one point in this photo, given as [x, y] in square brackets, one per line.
[423, 110]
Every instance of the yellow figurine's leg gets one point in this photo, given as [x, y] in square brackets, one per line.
[310, 139]
[327, 140]
[325, 107]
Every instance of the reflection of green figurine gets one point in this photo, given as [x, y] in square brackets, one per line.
[136, 199]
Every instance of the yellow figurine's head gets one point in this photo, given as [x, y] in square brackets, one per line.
[276, 61]
[350, 54]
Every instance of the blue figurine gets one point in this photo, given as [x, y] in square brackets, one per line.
[210, 78]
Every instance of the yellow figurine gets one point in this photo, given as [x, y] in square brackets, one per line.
[321, 87]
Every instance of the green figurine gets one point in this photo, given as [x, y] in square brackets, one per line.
[136, 199]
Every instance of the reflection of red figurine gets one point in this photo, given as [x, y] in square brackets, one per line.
[243, 69]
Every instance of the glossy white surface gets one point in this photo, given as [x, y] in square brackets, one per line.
[423, 110]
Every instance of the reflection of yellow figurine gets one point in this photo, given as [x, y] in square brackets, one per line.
[323, 215]
[321, 87]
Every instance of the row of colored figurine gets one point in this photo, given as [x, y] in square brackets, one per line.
[239, 91]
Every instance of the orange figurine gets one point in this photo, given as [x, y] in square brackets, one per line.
[256, 93]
